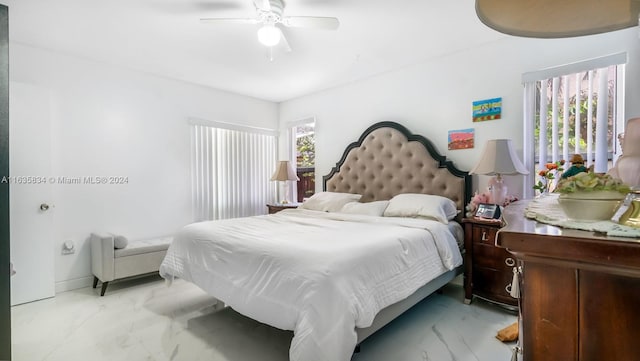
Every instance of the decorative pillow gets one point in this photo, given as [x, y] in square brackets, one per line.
[369, 209]
[119, 242]
[329, 201]
[422, 205]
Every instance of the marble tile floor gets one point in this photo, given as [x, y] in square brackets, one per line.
[142, 319]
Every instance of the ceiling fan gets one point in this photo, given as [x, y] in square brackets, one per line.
[269, 14]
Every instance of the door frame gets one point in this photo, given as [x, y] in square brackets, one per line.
[5, 282]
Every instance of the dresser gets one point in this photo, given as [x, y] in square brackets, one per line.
[488, 269]
[579, 291]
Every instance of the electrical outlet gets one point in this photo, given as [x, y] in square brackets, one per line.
[68, 248]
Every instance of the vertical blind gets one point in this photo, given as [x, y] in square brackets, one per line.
[230, 172]
[573, 109]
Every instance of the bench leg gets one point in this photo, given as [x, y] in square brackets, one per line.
[104, 288]
[95, 281]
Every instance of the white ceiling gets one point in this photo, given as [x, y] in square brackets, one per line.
[165, 37]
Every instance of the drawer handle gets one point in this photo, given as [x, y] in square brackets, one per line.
[484, 236]
[508, 288]
[510, 262]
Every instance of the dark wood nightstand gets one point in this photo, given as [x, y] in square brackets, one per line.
[488, 269]
[275, 208]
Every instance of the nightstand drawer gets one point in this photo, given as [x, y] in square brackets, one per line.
[493, 257]
[486, 235]
[493, 285]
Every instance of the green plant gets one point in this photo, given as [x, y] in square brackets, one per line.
[306, 147]
[591, 182]
[577, 117]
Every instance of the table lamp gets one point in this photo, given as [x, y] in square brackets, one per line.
[285, 173]
[498, 158]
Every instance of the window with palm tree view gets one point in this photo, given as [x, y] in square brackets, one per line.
[305, 160]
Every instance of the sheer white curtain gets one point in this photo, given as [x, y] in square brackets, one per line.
[230, 170]
[528, 146]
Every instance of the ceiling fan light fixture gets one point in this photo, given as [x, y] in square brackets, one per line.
[269, 35]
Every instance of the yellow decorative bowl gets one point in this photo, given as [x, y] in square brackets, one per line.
[590, 206]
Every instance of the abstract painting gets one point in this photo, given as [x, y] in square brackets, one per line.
[461, 139]
[488, 109]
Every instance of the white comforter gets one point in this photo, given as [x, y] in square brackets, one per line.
[318, 274]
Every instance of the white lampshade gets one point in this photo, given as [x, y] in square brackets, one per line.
[499, 158]
[284, 172]
[269, 35]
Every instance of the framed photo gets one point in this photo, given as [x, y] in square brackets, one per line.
[488, 109]
[460, 139]
[488, 210]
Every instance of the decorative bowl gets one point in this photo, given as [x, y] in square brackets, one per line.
[590, 206]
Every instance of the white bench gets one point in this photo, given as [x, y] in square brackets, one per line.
[137, 258]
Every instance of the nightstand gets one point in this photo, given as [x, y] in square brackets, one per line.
[488, 269]
[275, 208]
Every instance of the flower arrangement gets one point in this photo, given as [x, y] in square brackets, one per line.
[551, 172]
[484, 198]
[590, 182]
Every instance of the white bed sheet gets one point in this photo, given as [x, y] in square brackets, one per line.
[318, 274]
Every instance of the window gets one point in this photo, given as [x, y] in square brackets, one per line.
[304, 150]
[574, 109]
[230, 170]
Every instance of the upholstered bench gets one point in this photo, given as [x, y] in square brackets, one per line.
[113, 257]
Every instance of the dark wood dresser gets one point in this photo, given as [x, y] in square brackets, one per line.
[579, 291]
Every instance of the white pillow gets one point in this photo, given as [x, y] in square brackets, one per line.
[368, 209]
[329, 201]
[422, 205]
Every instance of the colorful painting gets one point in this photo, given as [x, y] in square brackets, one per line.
[489, 109]
[461, 139]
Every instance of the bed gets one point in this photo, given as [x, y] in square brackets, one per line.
[329, 271]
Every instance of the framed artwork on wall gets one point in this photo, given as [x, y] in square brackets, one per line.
[488, 109]
[461, 139]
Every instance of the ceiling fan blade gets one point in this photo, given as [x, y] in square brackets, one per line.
[311, 22]
[262, 4]
[285, 43]
[229, 21]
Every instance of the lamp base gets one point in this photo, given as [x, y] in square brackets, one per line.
[285, 200]
[498, 190]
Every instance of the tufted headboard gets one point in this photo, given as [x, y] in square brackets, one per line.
[388, 160]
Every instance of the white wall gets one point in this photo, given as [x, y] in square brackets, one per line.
[435, 96]
[109, 121]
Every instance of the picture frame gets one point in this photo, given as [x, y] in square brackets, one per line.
[488, 109]
[461, 139]
[488, 211]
